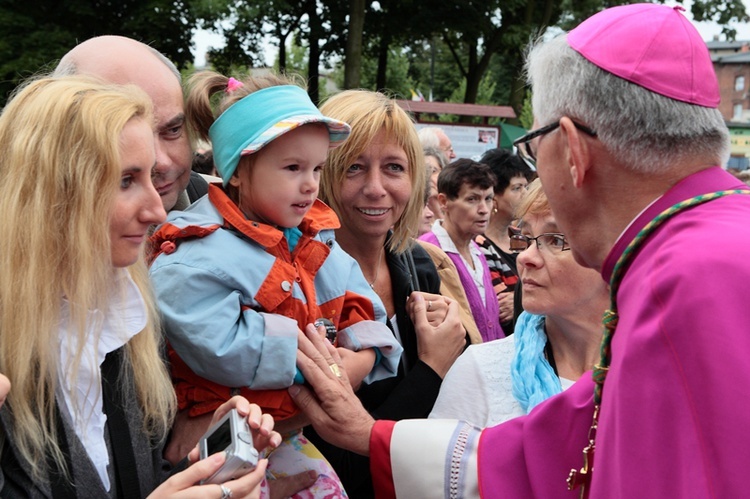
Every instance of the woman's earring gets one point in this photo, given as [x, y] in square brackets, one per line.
[494, 210]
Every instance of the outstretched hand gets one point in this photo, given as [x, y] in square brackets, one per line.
[184, 485]
[261, 424]
[334, 410]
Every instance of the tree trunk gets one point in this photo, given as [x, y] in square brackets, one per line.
[475, 72]
[282, 48]
[380, 81]
[353, 51]
[313, 72]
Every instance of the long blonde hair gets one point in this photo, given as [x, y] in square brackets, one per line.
[59, 173]
[369, 113]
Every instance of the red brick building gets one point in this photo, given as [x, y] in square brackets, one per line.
[732, 65]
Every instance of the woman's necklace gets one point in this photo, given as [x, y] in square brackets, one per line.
[377, 269]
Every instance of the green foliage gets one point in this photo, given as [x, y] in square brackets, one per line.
[432, 45]
[722, 12]
[297, 60]
[527, 115]
[485, 96]
[446, 77]
[398, 83]
[35, 35]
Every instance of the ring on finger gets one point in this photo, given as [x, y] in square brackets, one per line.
[226, 492]
[335, 369]
[429, 305]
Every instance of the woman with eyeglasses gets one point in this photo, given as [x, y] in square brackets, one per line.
[556, 338]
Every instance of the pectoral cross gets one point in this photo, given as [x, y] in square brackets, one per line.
[582, 478]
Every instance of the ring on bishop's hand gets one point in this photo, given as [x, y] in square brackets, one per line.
[226, 492]
[335, 369]
[429, 305]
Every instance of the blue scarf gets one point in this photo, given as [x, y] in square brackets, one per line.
[292, 236]
[532, 377]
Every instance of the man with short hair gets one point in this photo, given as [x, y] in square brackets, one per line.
[121, 60]
[629, 143]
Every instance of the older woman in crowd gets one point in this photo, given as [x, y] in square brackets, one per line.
[450, 283]
[557, 337]
[466, 191]
[375, 183]
[91, 401]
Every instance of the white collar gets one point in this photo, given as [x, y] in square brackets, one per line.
[447, 244]
[126, 317]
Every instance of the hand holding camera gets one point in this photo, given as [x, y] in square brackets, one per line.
[231, 435]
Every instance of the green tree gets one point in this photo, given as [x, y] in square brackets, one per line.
[397, 82]
[35, 35]
[246, 23]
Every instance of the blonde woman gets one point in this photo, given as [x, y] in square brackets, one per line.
[91, 402]
[375, 183]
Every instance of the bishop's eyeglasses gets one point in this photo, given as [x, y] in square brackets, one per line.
[527, 146]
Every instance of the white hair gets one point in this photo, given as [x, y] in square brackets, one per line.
[428, 137]
[644, 130]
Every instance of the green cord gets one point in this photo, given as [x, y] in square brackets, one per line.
[610, 316]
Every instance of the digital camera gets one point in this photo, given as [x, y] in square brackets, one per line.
[230, 434]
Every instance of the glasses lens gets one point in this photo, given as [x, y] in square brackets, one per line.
[519, 242]
[554, 242]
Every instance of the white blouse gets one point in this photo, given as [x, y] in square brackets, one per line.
[478, 386]
[474, 268]
[125, 318]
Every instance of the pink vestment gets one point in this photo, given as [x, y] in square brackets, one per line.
[676, 401]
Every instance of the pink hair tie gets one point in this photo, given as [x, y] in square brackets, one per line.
[233, 85]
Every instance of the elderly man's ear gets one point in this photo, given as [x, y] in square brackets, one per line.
[578, 152]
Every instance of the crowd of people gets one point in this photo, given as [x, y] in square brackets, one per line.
[390, 320]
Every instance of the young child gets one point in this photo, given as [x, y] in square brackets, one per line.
[240, 272]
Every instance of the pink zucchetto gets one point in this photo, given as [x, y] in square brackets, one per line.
[653, 46]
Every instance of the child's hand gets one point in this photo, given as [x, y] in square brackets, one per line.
[357, 364]
[261, 424]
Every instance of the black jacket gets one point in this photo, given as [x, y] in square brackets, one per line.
[197, 187]
[410, 394]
